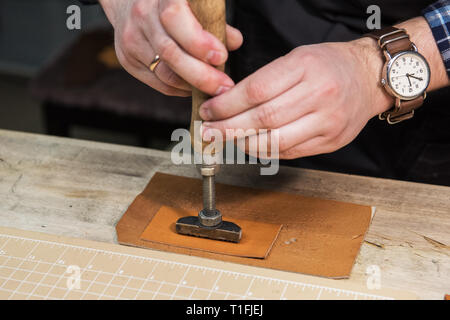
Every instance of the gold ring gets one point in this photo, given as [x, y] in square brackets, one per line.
[154, 63]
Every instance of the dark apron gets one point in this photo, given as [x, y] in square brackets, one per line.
[417, 149]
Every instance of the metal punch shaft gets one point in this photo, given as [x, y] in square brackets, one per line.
[209, 223]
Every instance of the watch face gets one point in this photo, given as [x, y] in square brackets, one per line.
[408, 74]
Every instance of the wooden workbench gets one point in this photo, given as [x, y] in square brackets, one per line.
[81, 189]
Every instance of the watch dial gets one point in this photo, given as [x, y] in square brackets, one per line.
[409, 74]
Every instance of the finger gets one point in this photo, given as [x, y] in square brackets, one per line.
[234, 38]
[197, 73]
[265, 84]
[145, 55]
[134, 67]
[263, 146]
[287, 136]
[182, 26]
[291, 105]
[136, 46]
[151, 80]
[166, 75]
[314, 146]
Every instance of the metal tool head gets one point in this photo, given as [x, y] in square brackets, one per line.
[208, 223]
[225, 230]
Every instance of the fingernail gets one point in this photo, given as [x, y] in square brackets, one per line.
[214, 57]
[222, 89]
[205, 113]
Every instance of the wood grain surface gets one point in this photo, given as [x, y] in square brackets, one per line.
[81, 189]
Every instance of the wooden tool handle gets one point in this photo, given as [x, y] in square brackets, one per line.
[211, 15]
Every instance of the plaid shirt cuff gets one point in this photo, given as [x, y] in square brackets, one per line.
[438, 17]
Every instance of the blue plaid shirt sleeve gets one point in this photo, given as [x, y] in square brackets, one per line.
[438, 17]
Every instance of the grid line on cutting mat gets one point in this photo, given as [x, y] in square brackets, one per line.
[25, 274]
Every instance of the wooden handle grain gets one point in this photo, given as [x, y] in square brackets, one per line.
[211, 15]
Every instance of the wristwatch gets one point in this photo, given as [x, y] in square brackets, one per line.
[405, 75]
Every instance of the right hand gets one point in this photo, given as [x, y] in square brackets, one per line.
[168, 28]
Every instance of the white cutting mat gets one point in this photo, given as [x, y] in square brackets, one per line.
[40, 266]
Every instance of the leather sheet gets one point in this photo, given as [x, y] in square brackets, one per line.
[319, 237]
[256, 242]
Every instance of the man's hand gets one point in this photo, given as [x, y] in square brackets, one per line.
[318, 96]
[168, 28]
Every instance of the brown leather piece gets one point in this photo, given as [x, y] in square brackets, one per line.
[319, 237]
[256, 242]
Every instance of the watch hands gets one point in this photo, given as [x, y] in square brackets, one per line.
[409, 76]
[403, 75]
[409, 80]
[418, 78]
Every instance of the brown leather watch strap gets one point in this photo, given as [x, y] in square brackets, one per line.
[398, 46]
[404, 110]
[392, 39]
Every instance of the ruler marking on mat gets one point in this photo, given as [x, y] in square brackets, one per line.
[136, 286]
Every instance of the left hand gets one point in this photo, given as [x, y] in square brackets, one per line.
[319, 97]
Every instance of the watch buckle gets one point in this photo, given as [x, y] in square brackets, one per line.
[395, 119]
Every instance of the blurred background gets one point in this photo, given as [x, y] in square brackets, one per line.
[68, 82]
